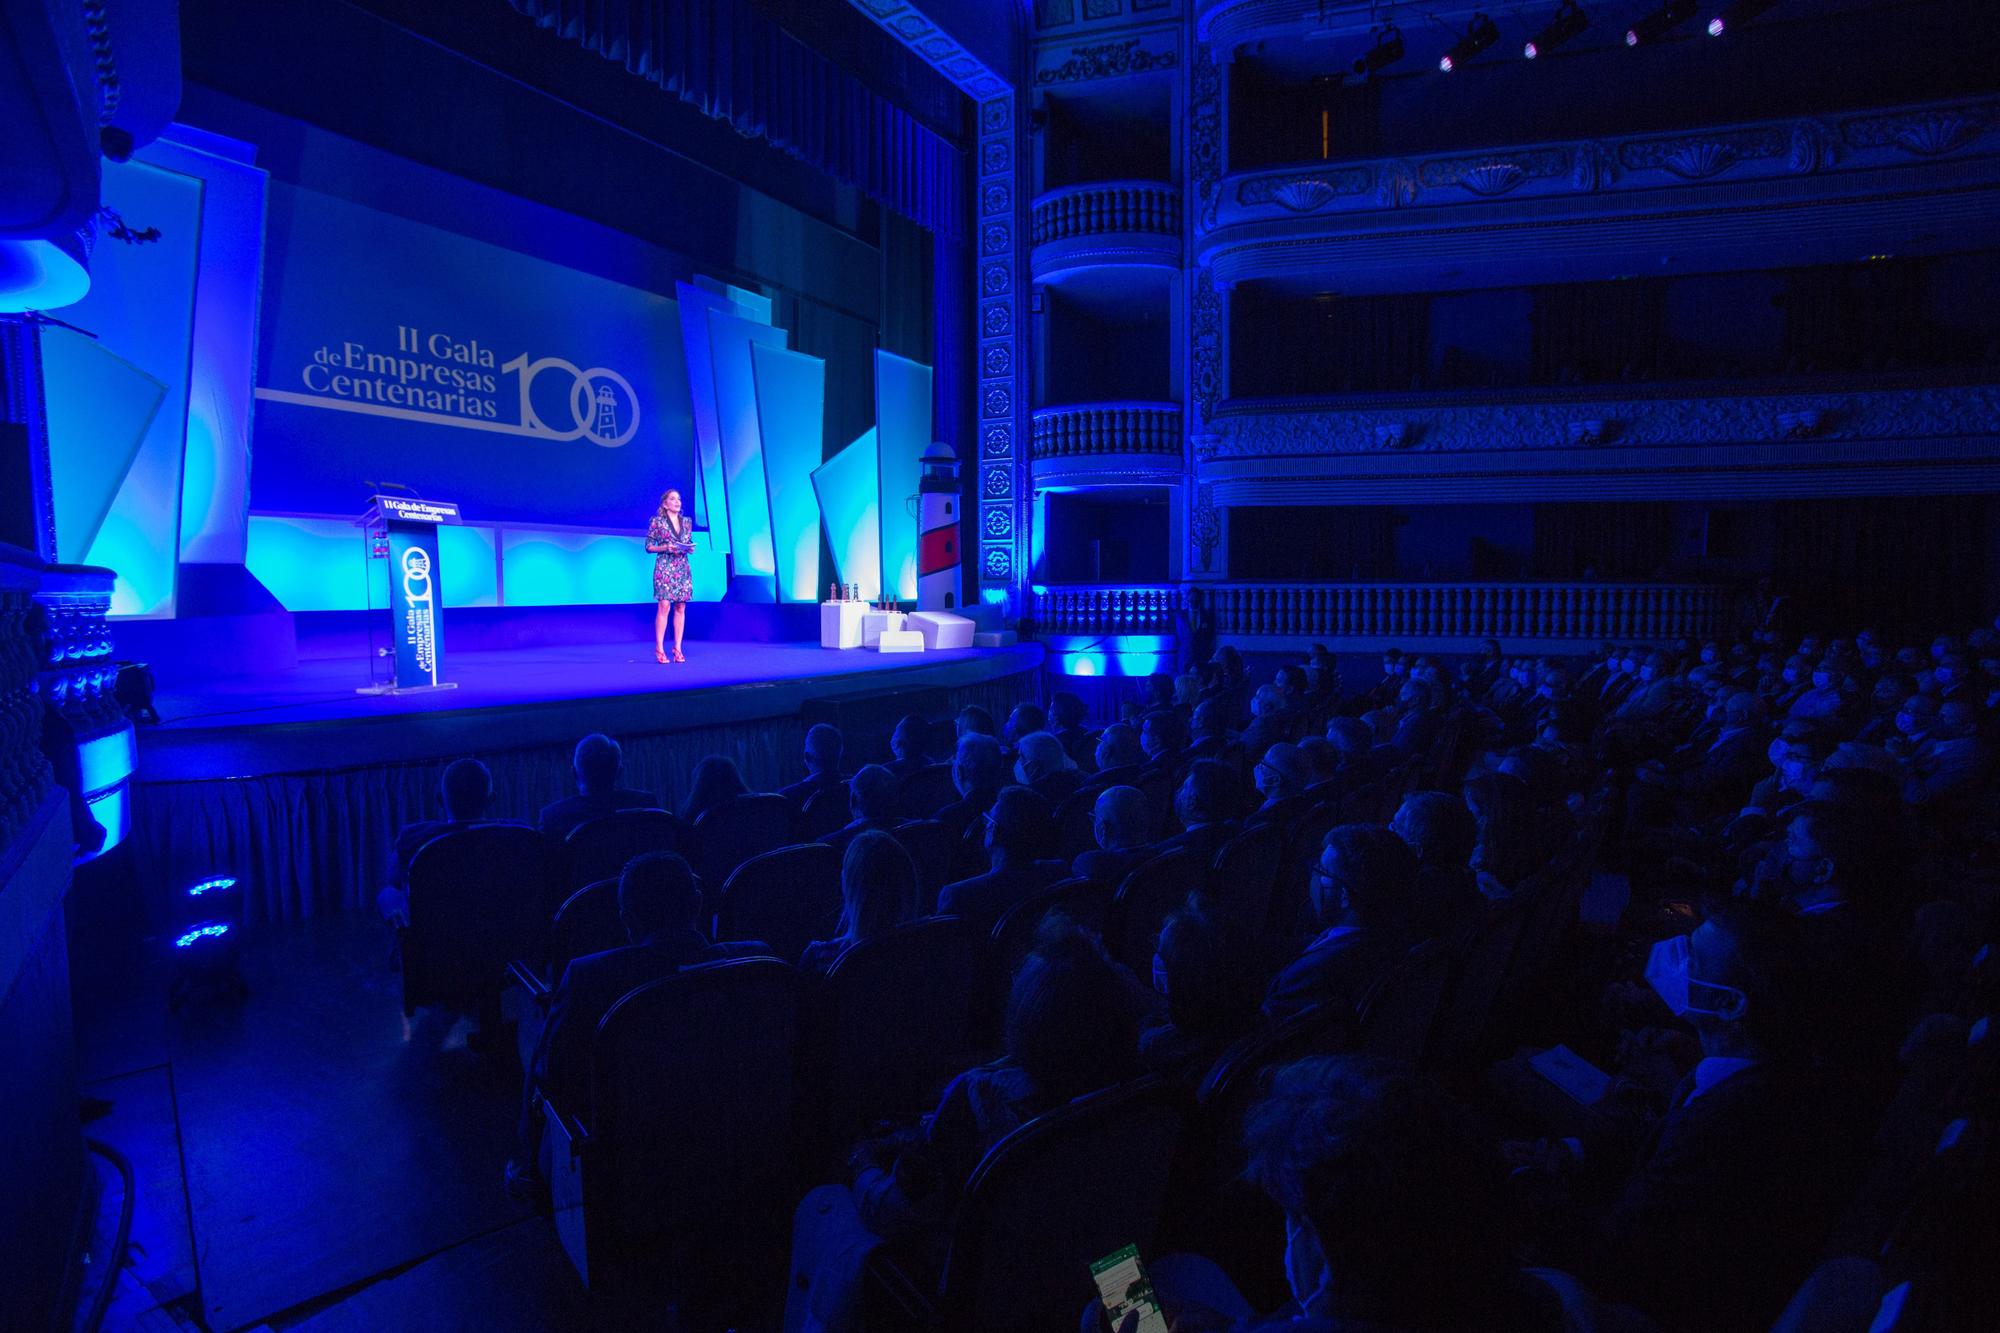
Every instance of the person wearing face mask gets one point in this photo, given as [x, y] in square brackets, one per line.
[1951, 761]
[1281, 777]
[1884, 699]
[1952, 677]
[1822, 700]
[1914, 721]
[1658, 690]
[1712, 777]
[1019, 829]
[1042, 765]
[1795, 755]
[1360, 891]
[1205, 804]
[1121, 824]
[1727, 1205]
[1163, 736]
[1205, 970]
[1271, 724]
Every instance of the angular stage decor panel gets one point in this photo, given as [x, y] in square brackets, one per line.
[902, 431]
[848, 500]
[791, 401]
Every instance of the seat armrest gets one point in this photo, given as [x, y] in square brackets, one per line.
[571, 1129]
[529, 980]
[899, 1291]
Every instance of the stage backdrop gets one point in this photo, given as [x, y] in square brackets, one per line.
[393, 351]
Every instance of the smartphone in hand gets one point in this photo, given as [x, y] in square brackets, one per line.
[1124, 1287]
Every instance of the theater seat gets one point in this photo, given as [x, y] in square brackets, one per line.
[1150, 892]
[1401, 1007]
[683, 1161]
[476, 905]
[926, 791]
[739, 828]
[586, 923]
[825, 811]
[1060, 1192]
[1245, 873]
[930, 850]
[599, 848]
[889, 1026]
[787, 898]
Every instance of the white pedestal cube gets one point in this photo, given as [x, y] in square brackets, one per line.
[874, 623]
[899, 641]
[997, 638]
[840, 624]
[942, 629]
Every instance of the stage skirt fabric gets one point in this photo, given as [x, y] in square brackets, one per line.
[310, 842]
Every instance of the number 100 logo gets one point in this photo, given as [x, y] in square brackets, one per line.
[602, 406]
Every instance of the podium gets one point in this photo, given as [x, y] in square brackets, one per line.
[402, 531]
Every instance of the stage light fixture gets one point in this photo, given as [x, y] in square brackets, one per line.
[1387, 50]
[1481, 33]
[1659, 23]
[1568, 22]
[1735, 15]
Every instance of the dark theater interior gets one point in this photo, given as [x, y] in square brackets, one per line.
[1318, 666]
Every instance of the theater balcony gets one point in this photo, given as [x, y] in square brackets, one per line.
[1085, 627]
[1097, 443]
[1914, 433]
[1797, 191]
[1105, 223]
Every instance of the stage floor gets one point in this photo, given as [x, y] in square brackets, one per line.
[311, 716]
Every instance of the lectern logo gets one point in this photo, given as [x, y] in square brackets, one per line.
[419, 614]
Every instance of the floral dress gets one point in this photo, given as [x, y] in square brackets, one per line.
[671, 580]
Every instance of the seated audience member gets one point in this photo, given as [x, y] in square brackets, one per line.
[1067, 716]
[598, 764]
[823, 750]
[1884, 701]
[1442, 832]
[1504, 852]
[465, 791]
[1230, 688]
[1914, 722]
[1419, 719]
[1361, 760]
[1160, 691]
[1724, 1212]
[716, 779]
[1360, 889]
[910, 744]
[977, 772]
[878, 892]
[1209, 737]
[1120, 755]
[1322, 765]
[1795, 757]
[1272, 723]
[659, 904]
[1071, 1028]
[1282, 777]
[1122, 823]
[1713, 777]
[1025, 720]
[1163, 736]
[974, 719]
[873, 800]
[1042, 765]
[1396, 1212]
[1019, 830]
[1952, 759]
[1206, 805]
[1205, 968]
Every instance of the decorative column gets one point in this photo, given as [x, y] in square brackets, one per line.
[1002, 474]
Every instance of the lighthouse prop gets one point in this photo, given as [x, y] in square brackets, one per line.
[939, 590]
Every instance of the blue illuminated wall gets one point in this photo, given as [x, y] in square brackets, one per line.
[791, 405]
[121, 496]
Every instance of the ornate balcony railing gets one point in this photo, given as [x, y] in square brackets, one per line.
[1094, 430]
[1104, 209]
[25, 775]
[1586, 612]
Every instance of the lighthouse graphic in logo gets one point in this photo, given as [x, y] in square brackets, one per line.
[938, 587]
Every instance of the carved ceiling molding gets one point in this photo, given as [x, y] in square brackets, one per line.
[908, 24]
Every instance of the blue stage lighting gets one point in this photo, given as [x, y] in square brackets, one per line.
[1568, 22]
[1735, 16]
[219, 884]
[208, 930]
[1480, 33]
[1658, 24]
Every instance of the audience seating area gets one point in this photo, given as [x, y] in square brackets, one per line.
[1683, 956]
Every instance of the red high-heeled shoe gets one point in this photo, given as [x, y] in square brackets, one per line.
[678, 657]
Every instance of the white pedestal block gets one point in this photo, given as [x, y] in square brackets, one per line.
[942, 629]
[840, 624]
[875, 622]
[899, 641]
[999, 638]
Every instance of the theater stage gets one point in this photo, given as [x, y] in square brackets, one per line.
[296, 784]
[311, 717]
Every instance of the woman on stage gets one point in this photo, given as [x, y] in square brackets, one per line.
[669, 538]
